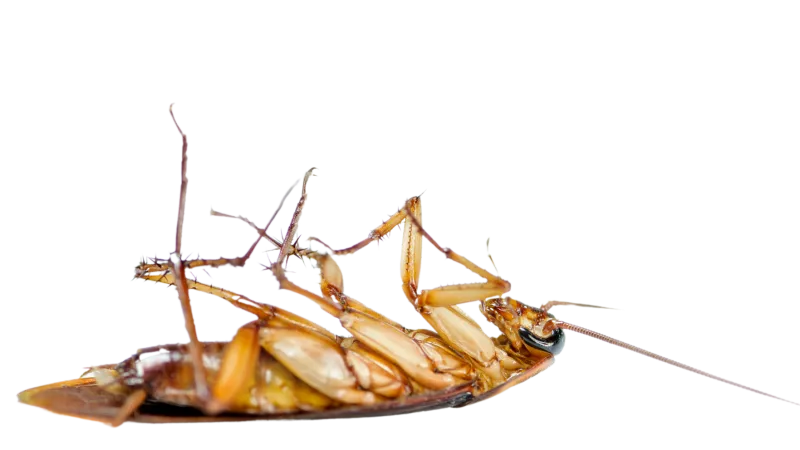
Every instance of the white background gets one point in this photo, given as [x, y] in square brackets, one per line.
[638, 157]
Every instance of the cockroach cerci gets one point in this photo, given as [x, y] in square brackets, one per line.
[282, 366]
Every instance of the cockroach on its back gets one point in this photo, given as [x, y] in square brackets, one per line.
[282, 366]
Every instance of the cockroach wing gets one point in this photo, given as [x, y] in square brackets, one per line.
[77, 398]
[84, 399]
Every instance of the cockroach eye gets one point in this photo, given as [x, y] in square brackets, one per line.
[552, 344]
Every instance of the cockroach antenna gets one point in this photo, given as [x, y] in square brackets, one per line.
[649, 354]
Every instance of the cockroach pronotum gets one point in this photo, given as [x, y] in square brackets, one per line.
[282, 366]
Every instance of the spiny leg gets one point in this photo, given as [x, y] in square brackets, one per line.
[437, 306]
[332, 277]
[274, 330]
[377, 332]
[261, 310]
[327, 304]
[158, 265]
[378, 233]
[365, 324]
[177, 267]
[388, 339]
[411, 260]
[288, 247]
[261, 231]
[239, 261]
[386, 336]
[239, 357]
[453, 294]
[174, 272]
[278, 332]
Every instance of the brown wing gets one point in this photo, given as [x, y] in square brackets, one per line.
[82, 398]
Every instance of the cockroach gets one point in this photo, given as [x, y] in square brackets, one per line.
[282, 366]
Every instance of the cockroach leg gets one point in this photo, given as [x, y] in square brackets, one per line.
[262, 232]
[331, 280]
[425, 361]
[261, 310]
[289, 245]
[376, 234]
[238, 364]
[438, 305]
[280, 328]
[389, 340]
[317, 360]
[307, 350]
[458, 293]
[174, 271]
[177, 267]
[132, 402]
[322, 243]
[145, 270]
[321, 363]
[327, 305]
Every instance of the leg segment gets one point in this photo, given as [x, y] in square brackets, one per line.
[319, 362]
[132, 403]
[431, 366]
[288, 242]
[158, 265]
[261, 310]
[238, 365]
[331, 282]
[381, 335]
[177, 267]
[438, 308]
[458, 293]
[351, 375]
[378, 233]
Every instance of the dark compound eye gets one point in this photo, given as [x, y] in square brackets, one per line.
[554, 344]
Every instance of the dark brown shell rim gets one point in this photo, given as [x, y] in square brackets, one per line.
[83, 398]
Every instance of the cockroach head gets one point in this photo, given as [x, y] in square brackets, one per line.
[523, 325]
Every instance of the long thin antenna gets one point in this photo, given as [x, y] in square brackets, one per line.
[618, 343]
